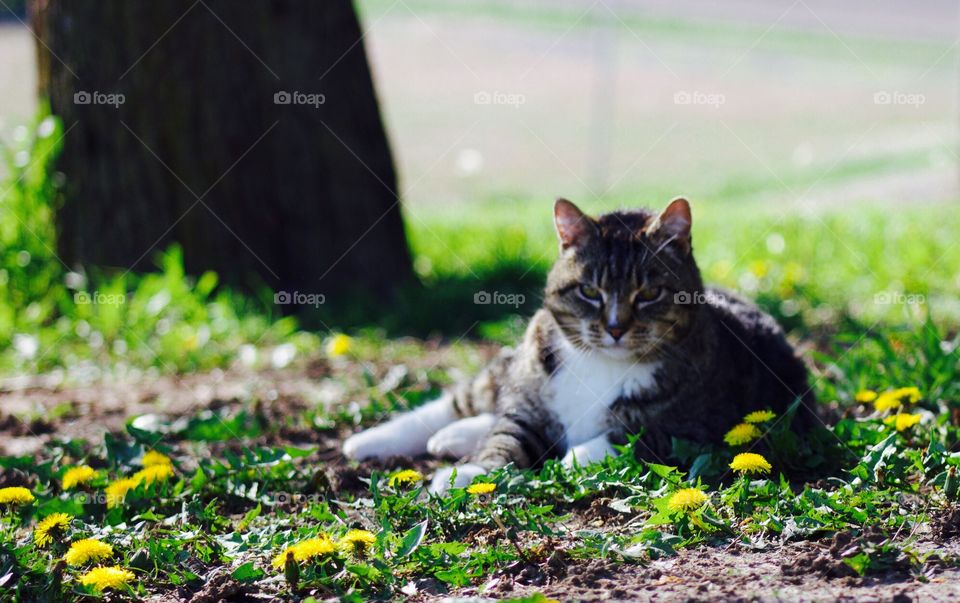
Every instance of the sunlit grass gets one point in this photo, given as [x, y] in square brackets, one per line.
[262, 512]
[229, 489]
[896, 264]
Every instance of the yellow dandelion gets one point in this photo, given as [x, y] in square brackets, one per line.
[338, 345]
[902, 421]
[102, 578]
[911, 394]
[687, 499]
[742, 434]
[759, 268]
[865, 396]
[152, 457]
[895, 398]
[481, 488]
[760, 416]
[750, 462]
[153, 474]
[87, 550]
[357, 541]
[75, 476]
[16, 495]
[116, 491]
[306, 550]
[793, 273]
[280, 560]
[51, 527]
[406, 477]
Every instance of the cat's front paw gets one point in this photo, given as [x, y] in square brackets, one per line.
[592, 451]
[461, 438]
[381, 442]
[465, 475]
[363, 445]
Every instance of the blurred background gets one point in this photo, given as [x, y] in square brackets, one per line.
[816, 140]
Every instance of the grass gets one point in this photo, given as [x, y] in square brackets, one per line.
[859, 263]
[53, 317]
[872, 289]
[242, 507]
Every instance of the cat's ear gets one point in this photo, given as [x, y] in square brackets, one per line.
[673, 225]
[574, 228]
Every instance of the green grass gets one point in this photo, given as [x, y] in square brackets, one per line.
[53, 317]
[234, 502]
[809, 270]
[243, 488]
[822, 269]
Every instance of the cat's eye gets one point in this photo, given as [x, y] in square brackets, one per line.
[647, 295]
[590, 293]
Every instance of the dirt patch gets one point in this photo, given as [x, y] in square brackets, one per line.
[734, 573]
[946, 523]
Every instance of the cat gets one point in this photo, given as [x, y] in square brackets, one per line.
[628, 341]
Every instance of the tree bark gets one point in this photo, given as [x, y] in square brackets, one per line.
[202, 152]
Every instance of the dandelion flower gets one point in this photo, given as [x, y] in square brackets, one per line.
[152, 457]
[902, 421]
[75, 476]
[102, 578]
[687, 499]
[760, 416]
[895, 398]
[281, 560]
[118, 489]
[911, 394]
[338, 345]
[357, 541]
[865, 396]
[153, 474]
[87, 550]
[750, 462]
[50, 527]
[314, 547]
[742, 434]
[759, 268]
[16, 495]
[481, 489]
[405, 477]
[306, 550]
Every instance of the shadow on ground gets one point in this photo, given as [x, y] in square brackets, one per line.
[491, 302]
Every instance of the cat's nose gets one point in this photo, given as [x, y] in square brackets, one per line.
[615, 332]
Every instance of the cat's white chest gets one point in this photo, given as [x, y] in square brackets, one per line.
[587, 384]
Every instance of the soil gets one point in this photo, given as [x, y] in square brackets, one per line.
[811, 570]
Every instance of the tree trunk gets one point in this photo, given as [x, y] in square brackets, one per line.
[202, 150]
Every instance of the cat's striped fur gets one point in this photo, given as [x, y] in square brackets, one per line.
[628, 341]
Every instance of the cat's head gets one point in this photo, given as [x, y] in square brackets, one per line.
[624, 281]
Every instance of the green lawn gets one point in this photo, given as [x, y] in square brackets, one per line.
[869, 292]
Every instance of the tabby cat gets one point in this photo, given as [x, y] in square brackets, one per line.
[629, 341]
